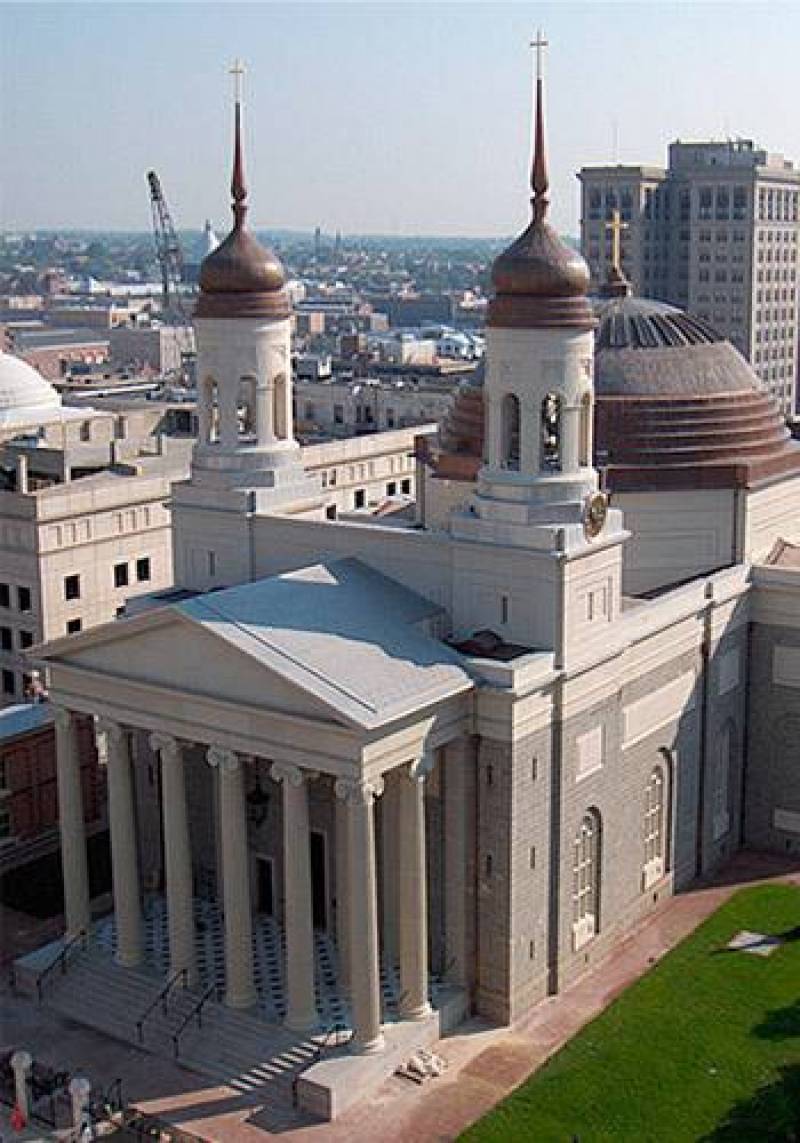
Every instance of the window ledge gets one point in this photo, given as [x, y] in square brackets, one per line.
[583, 931]
[652, 872]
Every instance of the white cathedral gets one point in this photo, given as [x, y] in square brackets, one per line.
[376, 778]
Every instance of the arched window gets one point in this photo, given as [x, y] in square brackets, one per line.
[721, 784]
[585, 457]
[551, 433]
[654, 833]
[279, 407]
[510, 429]
[586, 880]
[247, 406]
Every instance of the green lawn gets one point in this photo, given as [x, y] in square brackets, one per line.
[705, 1047]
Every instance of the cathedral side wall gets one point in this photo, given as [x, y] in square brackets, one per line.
[493, 959]
[772, 812]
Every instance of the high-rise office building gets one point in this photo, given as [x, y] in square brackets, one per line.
[717, 233]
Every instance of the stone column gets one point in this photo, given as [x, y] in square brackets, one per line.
[240, 988]
[177, 854]
[342, 897]
[412, 922]
[204, 412]
[365, 982]
[301, 1013]
[390, 850]
[228, 411]
[264, 400]
[79, 1089]
[21, 1063]
[71, 823]
[124, 862]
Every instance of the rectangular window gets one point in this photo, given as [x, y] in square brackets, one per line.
[24, 598]
[212, 564]
[8, 683]
[405, 487]
[360, 498]
[338, 414]
[143, 569]
[5, 595]
[5, 639]
[120, 575]
[72, 587]
[73, 626]
[5, 823]
[25, 639]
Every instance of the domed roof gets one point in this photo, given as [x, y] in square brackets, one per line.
[461, 431]
[539, 281]
[677, 406]
[241, 278]
[25, 397]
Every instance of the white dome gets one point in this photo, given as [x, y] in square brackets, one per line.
[25, 397]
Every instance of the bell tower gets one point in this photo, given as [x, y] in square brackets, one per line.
[537, 488]
[246, 459]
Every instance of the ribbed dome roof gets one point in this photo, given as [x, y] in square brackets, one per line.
[677, 406]
[241, 278]
[25, 396]
[461, 431]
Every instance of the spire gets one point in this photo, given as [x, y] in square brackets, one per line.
[238, 189]
[539, 179]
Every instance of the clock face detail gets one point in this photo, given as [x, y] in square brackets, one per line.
[595, 511]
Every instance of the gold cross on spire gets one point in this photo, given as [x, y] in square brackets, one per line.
[237, 71]
[616, 226]
[540, 43]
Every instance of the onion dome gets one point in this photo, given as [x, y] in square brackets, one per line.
[26, 399]
[539, 280]
[241, 278]
[678, 407]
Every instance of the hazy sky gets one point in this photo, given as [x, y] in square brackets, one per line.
[383, 118]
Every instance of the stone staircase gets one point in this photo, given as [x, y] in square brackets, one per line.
[260, 1061]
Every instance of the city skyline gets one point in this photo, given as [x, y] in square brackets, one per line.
[382, 119]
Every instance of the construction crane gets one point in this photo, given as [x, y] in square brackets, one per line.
[170, 259]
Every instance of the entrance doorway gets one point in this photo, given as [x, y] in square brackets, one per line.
[265, 886]
[319, 888]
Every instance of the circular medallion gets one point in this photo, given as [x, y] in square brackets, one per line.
[595, 511]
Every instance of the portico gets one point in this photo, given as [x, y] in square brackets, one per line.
[231, 703]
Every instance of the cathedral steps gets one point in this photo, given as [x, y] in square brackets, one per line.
[259, 1060]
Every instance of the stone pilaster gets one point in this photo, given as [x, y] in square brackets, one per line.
[177, 854]
[359, 796]
[412, 922]
[124, 860]
[77, 908]
[301, 1012]
[240, 987]
[342, 897]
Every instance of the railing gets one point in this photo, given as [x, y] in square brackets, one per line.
[161, 998]
[196, 1010]
[59, 960]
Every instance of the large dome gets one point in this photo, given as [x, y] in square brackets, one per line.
[26, 399]
[677, 406]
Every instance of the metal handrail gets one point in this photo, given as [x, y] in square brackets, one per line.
[162, 998]
[60, 959]
[196, 1010]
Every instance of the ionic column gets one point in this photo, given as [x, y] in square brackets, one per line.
[342, 897]
[412, 921]
[365, 984]
[301, 1013]
[240, 989]
[177, 854]
[77, 909]
[389, 861]
[124, 864]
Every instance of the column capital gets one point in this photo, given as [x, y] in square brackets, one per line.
[293, 775]
[63, 717]
[420, 768]
[112, 730]
[227, 761]
[358, 791]
[164, 743]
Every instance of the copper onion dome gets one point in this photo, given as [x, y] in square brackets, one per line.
[539, 280]
[241, 278]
